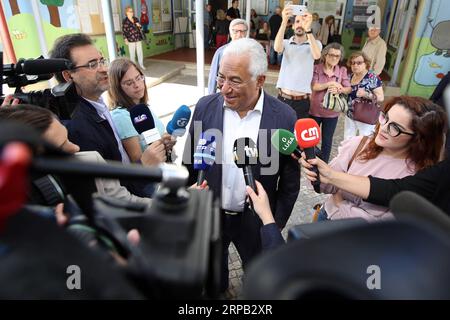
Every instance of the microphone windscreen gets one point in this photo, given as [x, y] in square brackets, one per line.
[205, 152]
[177, 126]
[284, 141]
[143, 122]
[245, 152]
[409, 206]
[45, 66]
[307, 132]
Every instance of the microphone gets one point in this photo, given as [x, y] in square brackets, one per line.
[285, 143]
[204, 156]
[177, 126]
[307, 132]
[14, 169]
[245, 155]
[411, 207]
[143, 122]
[44, 66]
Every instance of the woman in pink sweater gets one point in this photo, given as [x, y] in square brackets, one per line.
[408, 138]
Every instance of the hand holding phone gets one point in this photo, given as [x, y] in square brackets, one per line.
[298, 9]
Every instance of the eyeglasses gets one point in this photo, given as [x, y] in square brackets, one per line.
[94, 65]
[393, 128]
[233, 84]
[238, 31]
[136, 80]
[336, 56]
[358, 63]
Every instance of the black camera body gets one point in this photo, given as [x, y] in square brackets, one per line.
[61, 99]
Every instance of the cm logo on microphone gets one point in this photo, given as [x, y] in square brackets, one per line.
[310, 134]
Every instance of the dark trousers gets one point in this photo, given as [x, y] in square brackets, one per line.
[301, 107]
[328, 126]
[243, 231]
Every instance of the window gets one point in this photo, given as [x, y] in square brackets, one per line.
[162, 16]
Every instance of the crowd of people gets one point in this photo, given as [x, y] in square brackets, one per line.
[405, 143]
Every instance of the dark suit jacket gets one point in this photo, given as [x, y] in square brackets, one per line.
[283, 187]
[93, 133]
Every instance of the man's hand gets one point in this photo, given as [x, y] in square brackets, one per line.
[126, 41]
[306, 20]
[287, 13]
[154, 154]
[203, 186]
[10, 101]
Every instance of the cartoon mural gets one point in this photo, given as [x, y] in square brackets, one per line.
[61, 17]
[434, 66]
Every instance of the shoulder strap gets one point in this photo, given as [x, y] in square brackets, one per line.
[357, 151]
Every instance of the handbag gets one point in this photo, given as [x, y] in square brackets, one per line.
[335, 102]
[366, 110]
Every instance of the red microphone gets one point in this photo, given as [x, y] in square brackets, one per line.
[307, 132]
[14, 165]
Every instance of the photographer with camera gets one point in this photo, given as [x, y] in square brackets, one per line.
[92, 127]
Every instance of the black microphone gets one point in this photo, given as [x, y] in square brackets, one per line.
[245, 155]
[143, 122]
[409, 206]
[44, 66]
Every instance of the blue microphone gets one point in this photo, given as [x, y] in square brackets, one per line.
[177, 126]
[204, 156]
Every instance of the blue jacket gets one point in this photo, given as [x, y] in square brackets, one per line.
[283, 187]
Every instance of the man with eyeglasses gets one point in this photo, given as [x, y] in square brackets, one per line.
[297, 66]
[91, 126]
[238, 29]
[242, 109]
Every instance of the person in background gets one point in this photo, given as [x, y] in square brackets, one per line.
[296, 72]
[328, 31]
[238, 29]
[365, 84]
[127, 89]
[207, 23]
[132, 34]
[315, 26]
[233, 11]
[328, 77]
[275, 24]
[375, 49]
[221, 29]
[256, 22]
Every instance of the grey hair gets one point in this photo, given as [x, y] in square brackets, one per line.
[335, 46]
[235, 22]
[252, 49]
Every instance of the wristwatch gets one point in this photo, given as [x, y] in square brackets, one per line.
[308, 32]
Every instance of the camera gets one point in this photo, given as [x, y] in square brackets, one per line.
[61, 99]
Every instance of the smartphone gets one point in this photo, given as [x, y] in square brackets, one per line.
[298, 9]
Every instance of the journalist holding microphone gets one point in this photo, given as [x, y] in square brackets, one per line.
[385, 155]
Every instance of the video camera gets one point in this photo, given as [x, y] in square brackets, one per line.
[61, 99]
[179, 252]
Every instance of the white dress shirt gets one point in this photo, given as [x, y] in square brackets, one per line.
[103, 112]
[233, 182]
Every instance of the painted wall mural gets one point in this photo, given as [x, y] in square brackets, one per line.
[61, 17]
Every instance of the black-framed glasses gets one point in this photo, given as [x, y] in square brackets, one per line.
[131, 82]
[94, 64]
[233, 84]
[393, 129]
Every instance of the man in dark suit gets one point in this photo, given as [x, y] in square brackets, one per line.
[91, 126]
[242, 109]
